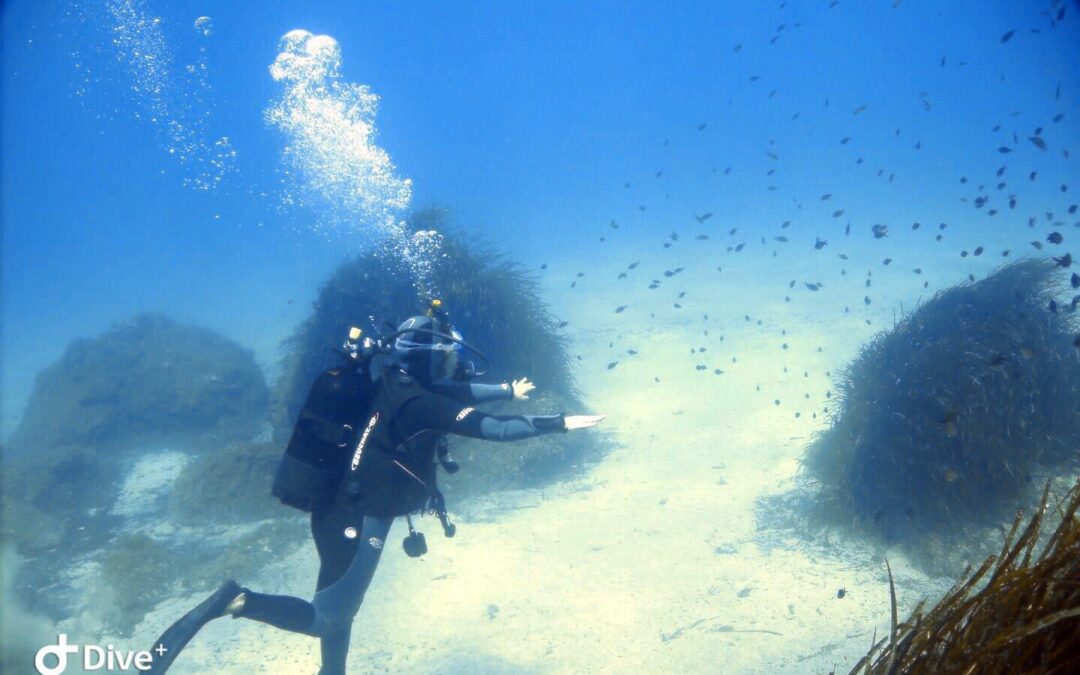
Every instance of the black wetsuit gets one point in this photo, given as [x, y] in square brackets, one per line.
[350, 543]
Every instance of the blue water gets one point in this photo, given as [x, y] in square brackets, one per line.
[216, 161]
[525, 121]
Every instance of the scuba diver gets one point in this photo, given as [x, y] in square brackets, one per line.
[363, 452]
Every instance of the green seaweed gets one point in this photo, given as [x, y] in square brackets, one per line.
[1024, 619]
[133, 565]
[940, 423]
[230, 486]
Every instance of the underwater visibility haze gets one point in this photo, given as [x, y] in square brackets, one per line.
[770, 310]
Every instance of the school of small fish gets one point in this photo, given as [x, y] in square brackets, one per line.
[990, 197]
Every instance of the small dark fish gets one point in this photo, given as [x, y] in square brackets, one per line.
[845, 140]
[1037, 245]
[702, 237]
[738, 47]
[1058, 117]
[1053, 306]
[1033, 175]
[820, 243]
[1075, 280]
[782, 239]
[633, 265]
[837, 214]
[843, 256]
[1054, 238]
[880, 231]
[1064, 261]
[631, 352]
[701, 127]
[1004, 149]
[620, 309]
[580, 274]
[812, 287]
[1005, 38]
[613, 225]
[825, 197]
[998, 360]
[703, 217]
[1076, 342]
[978, 251]
[866, 300]
[1037, 142]
[739, 247]
[841, 593]
[859, 109]
[612, 365]
[886, 261]
[544, 266]
[915, 226]
[562, 324]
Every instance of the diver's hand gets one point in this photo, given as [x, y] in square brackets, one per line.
[582, 421]
[521, 388]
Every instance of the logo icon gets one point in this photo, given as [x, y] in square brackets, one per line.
[60, 651]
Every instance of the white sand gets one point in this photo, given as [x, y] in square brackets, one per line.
[146, 484]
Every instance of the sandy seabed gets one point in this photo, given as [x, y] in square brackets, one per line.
[654, 560]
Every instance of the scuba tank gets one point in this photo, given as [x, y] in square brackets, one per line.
[338, 402]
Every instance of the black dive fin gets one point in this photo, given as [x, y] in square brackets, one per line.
[175, 638]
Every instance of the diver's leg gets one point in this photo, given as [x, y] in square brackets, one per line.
[336, 553]
[336, 604]
[176, 636]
